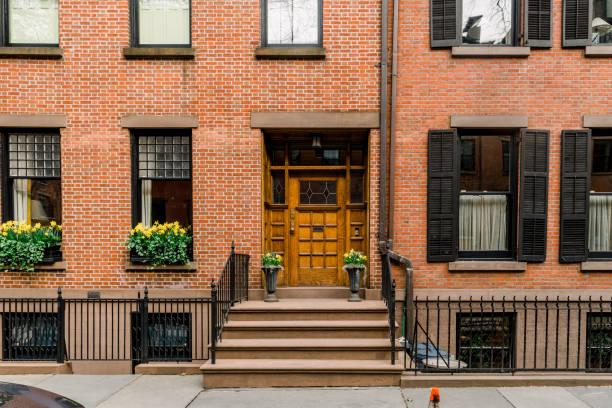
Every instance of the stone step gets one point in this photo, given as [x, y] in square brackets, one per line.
[309, 309]
[300, 373]
[310, 348]
[280, 329]
[34, 367]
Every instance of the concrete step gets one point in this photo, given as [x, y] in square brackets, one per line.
[169, 368]
[300, 373]
[333, 349]
[34, 367]
[309, 309]
[284, 329]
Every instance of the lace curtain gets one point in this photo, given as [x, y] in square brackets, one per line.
[482, 223]
[34, 21]
[293, 21]
[600, 223]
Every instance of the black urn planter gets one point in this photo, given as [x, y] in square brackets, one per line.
[271, 273]
[354, 273]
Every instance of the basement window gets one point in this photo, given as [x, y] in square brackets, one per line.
[599, 341]
[29, 336]
[485, 340]
[169, 336]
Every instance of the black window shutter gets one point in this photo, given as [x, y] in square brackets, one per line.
[442, 195]
[575, 186]
[538, 23]
[533, 204]
[576, 23]
[445, 23]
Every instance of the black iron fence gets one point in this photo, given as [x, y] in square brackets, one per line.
[140, 330]
[509, 335]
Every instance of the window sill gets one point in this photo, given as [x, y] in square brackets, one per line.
[159, 53]
[487, 266]
[598, 51]
[596, 266]
[491, 52]
[32, 52]
[290, 52]
[56, 266]
[190, 267]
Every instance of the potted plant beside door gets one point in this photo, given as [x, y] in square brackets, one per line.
[354, 265]
[271, 264]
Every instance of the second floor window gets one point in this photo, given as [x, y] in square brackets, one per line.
[30, 22]
[161, 23]
[487, 22]
[292, 23]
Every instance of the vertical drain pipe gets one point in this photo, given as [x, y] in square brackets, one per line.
[384, 56]
[393, 124]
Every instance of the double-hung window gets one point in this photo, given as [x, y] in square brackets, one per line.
[29, 23]
[161, 23]
[473, 211]
[486, 198]
[491, 22]
[587, 22]
[600, 200]
[292, 23]
[161, 177]
[32, 186]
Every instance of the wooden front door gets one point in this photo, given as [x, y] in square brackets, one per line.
[317, 230]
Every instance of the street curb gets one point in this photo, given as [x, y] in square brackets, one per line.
[543, 380]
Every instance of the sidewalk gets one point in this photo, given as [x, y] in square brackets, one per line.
[153, 391]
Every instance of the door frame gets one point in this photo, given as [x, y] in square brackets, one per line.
[275, 215]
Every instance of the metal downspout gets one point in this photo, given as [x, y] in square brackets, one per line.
[384, 55]
[393, 123]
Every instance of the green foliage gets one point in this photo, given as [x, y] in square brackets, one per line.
[22, 246]
[161, 244]
[354, 258]
[271, 259]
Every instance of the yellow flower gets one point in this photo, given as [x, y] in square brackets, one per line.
[4, 234]
[53, 224]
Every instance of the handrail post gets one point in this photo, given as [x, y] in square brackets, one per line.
[145, 327]
[60, 326]
[232, 275]
[213, 320]
[392, 321]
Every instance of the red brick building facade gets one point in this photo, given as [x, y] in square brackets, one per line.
[95, 84]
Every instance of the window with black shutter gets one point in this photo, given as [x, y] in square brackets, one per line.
[472, 204]
[490, 22]
[587, 22]
[575, 183]
[534, 195]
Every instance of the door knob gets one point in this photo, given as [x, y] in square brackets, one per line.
[292, 227]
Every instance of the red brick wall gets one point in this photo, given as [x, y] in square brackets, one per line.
[554, 87]
[94, 86]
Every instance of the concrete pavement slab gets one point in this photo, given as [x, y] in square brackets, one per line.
[26, 379]
[361, 397]
[457, 398]
[541, 397]
[89, 390]
[157, 391]
[595, 397]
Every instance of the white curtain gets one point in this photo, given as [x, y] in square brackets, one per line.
[20, 199]
[147, 202]
[482, 223]
[34, 21]
[293, 21]
[600, 223]
[163, 22]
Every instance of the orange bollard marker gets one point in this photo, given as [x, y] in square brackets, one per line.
[434, 398]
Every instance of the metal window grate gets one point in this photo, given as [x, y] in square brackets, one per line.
[34, 155]
[164, 157]
[29, 336]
